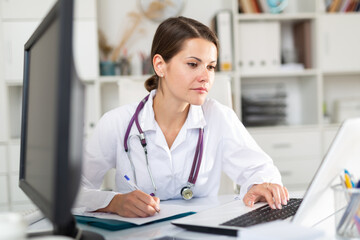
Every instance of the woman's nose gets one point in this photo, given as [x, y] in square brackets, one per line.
[205, 74]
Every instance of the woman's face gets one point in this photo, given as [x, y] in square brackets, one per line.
[189, 75]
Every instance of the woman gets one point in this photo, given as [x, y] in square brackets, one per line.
[189, 139]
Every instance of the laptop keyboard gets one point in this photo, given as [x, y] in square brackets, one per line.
[265, 214]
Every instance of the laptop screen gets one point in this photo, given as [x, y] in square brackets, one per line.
[344, 153]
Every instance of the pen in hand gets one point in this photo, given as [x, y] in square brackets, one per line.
[131, 184]
[134, 187]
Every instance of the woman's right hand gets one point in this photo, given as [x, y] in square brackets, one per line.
[133, 204]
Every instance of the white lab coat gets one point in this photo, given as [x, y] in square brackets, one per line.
[228, 147]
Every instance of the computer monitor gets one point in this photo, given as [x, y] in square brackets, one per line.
[52, 121]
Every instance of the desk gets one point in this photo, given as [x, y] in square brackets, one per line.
[161, 229]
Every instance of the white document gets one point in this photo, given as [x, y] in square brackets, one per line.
[195, 205]
[165, 212]
[167, 209]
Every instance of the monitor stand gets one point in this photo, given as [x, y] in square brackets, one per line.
[87, 235]
[84, 235]
[69, 230]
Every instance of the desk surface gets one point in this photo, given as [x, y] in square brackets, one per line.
[161, 229]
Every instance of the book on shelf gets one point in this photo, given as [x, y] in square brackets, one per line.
[327, 4]
[353, 6]
[334, 6]
[345, 5]
[264, 6]
[342, 6]
[246, 6]
[357, 8]
[302, 42]
[253, 6]
[223, 29]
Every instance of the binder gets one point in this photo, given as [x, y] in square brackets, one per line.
[223, 25]
[115, 225]
[259, 46]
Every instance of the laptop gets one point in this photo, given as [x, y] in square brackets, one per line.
[317, 203]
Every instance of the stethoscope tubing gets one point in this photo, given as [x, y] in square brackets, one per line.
[135, 118]
[197, 157]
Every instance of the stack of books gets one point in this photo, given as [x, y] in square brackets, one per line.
[342, 6]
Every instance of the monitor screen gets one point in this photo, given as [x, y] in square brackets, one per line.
[52, 121]
[41, 119]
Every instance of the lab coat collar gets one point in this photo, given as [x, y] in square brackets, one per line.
[195, 118]
[147, 116]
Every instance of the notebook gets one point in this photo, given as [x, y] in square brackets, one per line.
[317, 203]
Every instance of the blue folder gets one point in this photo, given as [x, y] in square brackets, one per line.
[114, 225]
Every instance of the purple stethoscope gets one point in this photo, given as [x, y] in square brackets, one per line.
[186, 192]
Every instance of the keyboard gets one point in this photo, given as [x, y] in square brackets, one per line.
[265, 214]
[32, 215]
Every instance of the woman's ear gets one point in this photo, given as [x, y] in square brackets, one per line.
[159, 65]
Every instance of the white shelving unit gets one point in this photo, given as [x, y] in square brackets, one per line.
[297, 146]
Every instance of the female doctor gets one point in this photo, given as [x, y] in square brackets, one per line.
[176, 142]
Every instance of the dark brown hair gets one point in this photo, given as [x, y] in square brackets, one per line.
[169, 38]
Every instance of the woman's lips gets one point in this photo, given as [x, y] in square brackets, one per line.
[200, 90]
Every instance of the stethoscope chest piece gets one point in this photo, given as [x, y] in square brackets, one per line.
[187, 193]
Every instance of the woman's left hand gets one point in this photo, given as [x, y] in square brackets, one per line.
[275, 194]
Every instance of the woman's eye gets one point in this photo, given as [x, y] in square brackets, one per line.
[192, 64]
[211, 67]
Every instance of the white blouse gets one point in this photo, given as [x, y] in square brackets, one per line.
[227, 147]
